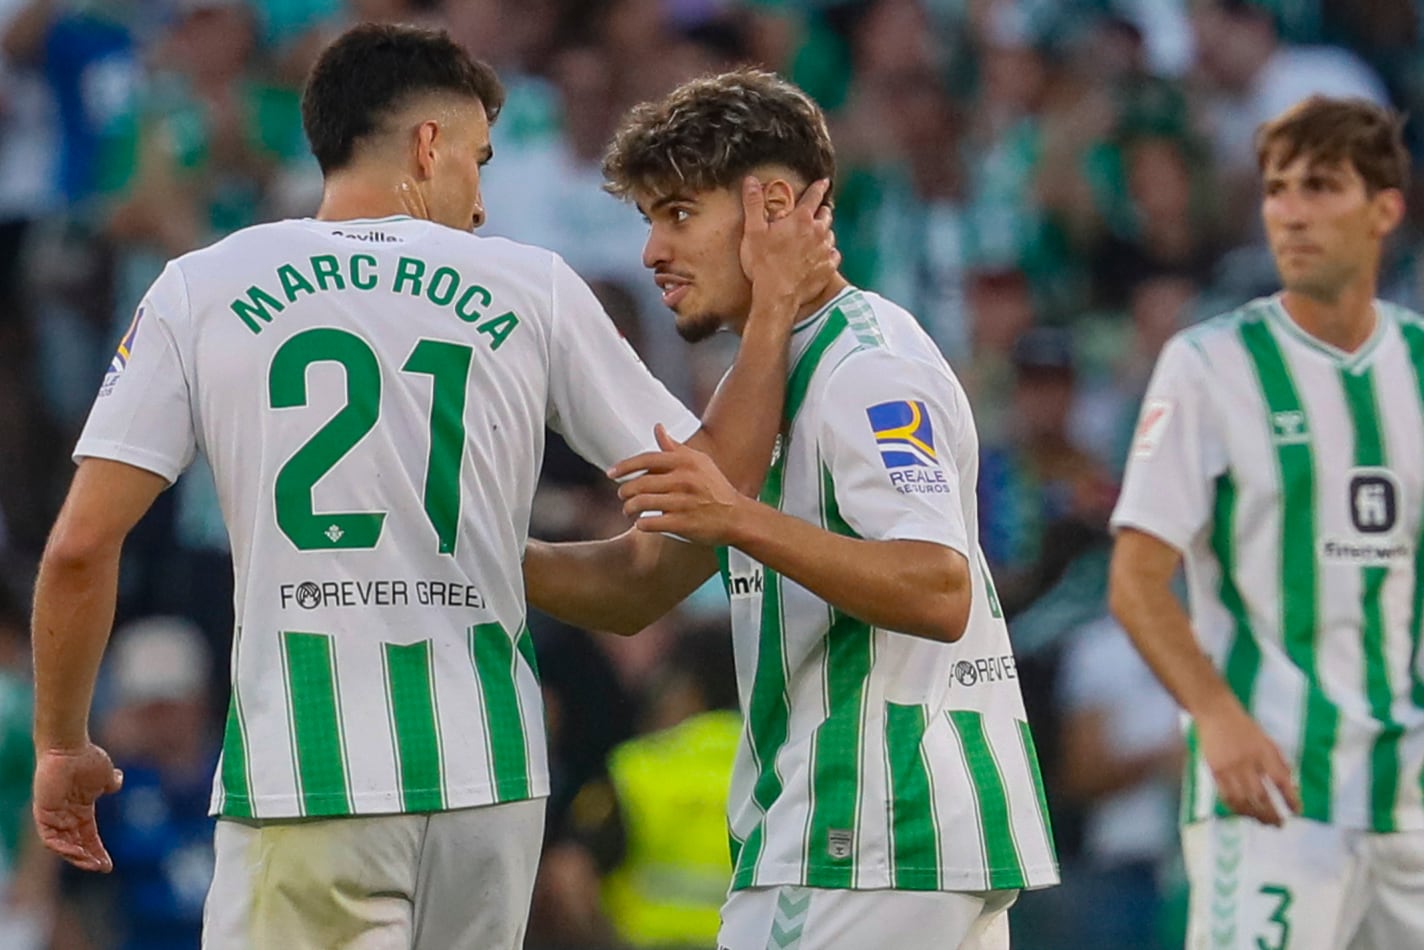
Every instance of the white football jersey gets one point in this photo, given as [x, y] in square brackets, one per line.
[874, 759]
[1289, 475]
[372, 396]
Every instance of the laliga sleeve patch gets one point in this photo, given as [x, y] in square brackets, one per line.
[1151, 427]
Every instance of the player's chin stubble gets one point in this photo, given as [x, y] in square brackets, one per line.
[694, 328]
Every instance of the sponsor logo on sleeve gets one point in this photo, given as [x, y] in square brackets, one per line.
[1151, 427]
[905, 437]
[121, 356]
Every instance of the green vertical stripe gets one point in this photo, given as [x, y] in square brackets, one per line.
[493, 653]
[1384, 754]
[1414, 341]
[835, 754]
[236, 775]
[769, 711]
[236, 786]
[838, 744]
[1030, 752]
[914, 826]
[1000, 849]
[410, 682]
[1189, 777]
[524, 643]
[316, 723]
[1299, 591]
[1243, 655]
[800, 381]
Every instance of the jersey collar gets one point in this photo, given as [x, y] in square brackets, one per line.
[803, 332]
[1346, 361]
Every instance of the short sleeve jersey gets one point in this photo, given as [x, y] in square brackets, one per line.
[1290, 475]
[874, 759]
[372, 397]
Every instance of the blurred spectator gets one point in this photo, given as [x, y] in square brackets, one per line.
[654, 827]
[157, 829]
[1254, 77]
[1037, 479]
[1121, 761]
[902, 205]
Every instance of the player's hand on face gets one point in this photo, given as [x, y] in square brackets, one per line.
[794, 256]
[67, 783]
[682, 487]
[1251, 774]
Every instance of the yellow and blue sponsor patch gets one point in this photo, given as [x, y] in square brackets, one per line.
[903, 433]
[121, 355]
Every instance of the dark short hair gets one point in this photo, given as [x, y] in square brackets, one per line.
[1368, 136]
[710, 132]
[372, 70]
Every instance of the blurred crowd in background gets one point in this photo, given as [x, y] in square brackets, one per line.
[1052, 186]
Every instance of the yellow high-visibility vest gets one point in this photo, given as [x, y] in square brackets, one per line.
[672, 787]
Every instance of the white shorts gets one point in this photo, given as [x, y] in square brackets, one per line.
[813, 918]
[1305, 886]
[452, 880]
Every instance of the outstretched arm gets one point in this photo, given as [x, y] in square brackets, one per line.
[74, 609]
[915, 587]
[1245, 762]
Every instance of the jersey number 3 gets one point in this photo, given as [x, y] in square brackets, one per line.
[448, 366]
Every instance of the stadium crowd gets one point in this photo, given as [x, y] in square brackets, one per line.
[1053, 186]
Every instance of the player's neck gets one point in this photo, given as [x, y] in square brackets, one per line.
[1345, 322]
[348, 197]
[833, 287]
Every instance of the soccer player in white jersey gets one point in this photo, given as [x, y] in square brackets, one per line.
[1280, 457]
[371, 387]
[886, 791]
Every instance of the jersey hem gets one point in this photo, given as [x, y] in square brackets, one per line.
[277, 807]
[952, 881]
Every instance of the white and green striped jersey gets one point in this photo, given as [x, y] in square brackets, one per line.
[1289, 475]
[372, 397]
[874, 759]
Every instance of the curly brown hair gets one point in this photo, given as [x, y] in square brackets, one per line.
[710, 132]
[1368, 136]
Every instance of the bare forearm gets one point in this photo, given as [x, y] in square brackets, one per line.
[913, 587]
[742, 419]
[619, 585]
[74, 610]
[1162, 633]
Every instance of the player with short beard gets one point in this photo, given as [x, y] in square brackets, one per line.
[877, 799]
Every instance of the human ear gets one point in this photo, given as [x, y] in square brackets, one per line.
[425, 137]
[780, 198]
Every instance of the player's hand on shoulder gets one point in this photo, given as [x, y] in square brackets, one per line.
[679, 490]
[1252, 777]
[67, 783]
[791, 255]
